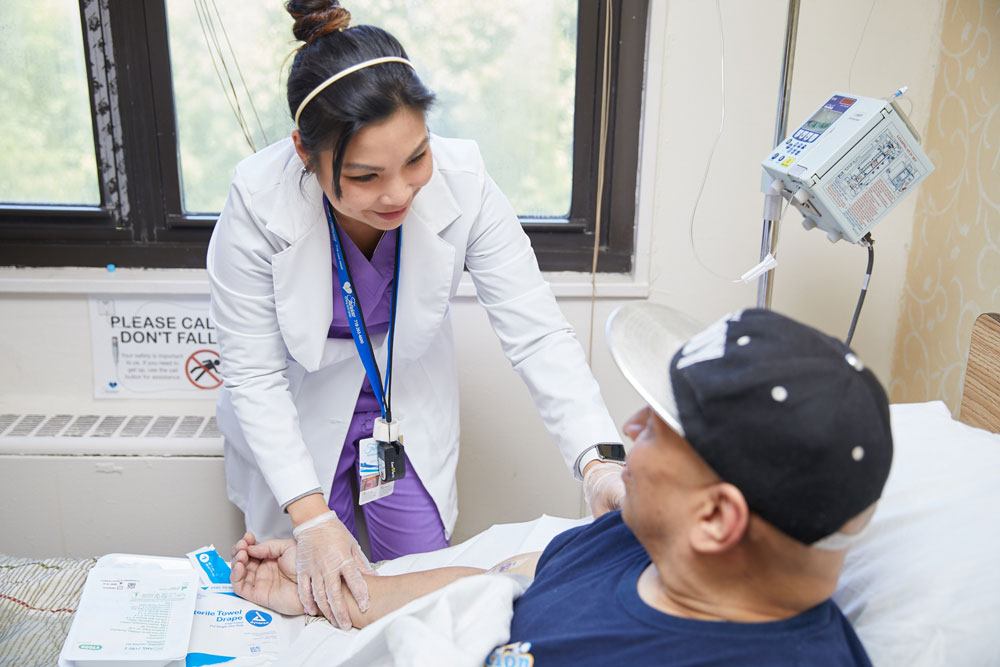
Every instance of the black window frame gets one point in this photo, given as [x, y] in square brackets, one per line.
[140, 222]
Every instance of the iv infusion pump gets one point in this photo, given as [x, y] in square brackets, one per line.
[848, 165]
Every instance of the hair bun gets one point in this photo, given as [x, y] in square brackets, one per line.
[315, 18]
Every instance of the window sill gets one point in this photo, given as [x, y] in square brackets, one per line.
[83, 280]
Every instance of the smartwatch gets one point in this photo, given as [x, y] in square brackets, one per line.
[602, 451]
[611, 451]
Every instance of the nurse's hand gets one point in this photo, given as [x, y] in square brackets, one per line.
[327, 553]
[603, 487]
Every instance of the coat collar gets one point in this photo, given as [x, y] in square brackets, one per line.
[303, 272]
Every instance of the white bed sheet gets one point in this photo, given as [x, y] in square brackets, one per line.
[922, 587]
[457, 625]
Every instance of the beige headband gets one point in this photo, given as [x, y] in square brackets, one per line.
[341, 74]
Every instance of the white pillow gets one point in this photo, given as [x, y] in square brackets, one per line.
[922, 587]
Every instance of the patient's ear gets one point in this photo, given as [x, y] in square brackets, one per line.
[721, 519]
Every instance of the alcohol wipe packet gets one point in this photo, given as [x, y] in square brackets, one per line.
[211, 567]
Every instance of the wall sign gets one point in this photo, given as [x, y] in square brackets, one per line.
[154, 347]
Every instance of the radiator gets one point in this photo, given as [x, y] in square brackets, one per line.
[110, 434]
[89, 484]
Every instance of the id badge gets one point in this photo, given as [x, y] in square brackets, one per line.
[371, 486]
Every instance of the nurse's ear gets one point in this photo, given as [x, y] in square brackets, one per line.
[300, 149]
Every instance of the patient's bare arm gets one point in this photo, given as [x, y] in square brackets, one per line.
[521, 564]
[264, 573]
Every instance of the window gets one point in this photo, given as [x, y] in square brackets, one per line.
[137, 176]
[47, 153]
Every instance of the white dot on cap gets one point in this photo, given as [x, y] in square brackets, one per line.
[858, 453]
[743, 340]
[854, 361]
[779, 393]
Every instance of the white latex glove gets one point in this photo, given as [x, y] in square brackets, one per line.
[603, 487]
[327, 553]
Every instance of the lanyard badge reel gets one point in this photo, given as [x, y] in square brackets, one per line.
[391, 457]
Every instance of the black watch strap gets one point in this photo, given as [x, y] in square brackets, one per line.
[604, 451]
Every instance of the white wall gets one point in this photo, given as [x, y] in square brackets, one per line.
[509, 470]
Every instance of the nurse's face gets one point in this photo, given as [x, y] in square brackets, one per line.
[385, 165]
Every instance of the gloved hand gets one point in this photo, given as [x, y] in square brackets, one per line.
[603, 487]
[327, 552]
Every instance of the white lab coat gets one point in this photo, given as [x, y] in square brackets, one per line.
[289, 391]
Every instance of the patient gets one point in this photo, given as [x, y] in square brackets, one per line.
[759, 458]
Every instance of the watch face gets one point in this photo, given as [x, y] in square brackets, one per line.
[611, 451]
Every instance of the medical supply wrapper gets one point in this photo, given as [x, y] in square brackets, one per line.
[129, 616]
[229, 629]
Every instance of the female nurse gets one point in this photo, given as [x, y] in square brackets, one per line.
[332, 267]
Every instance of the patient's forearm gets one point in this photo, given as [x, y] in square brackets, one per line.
[268, 578]
[390, 592]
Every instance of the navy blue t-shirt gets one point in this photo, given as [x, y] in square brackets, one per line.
[583, 608]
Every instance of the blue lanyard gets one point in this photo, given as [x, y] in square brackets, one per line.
[357, 320]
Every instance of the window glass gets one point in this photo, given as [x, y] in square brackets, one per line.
[504, 75]
[46, 135]
[227, 61]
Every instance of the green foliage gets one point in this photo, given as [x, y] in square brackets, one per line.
[207, 84]
[46, 132]
[505, 75]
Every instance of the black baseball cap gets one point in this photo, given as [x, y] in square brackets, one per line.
[787, 414]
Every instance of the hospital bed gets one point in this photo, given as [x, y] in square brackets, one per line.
[921, 587]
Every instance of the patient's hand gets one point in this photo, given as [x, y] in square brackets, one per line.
[264, 573]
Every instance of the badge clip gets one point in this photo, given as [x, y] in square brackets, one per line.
[384, 431]
[391, 455]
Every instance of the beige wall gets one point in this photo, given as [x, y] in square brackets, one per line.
[953, 267]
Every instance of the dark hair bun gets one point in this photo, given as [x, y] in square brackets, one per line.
[315, 18]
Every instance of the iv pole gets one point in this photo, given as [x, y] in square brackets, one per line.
[772, 201]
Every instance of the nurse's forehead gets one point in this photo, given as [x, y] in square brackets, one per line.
[406, 126]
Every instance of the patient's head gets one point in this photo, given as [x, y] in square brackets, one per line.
[760, 432]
